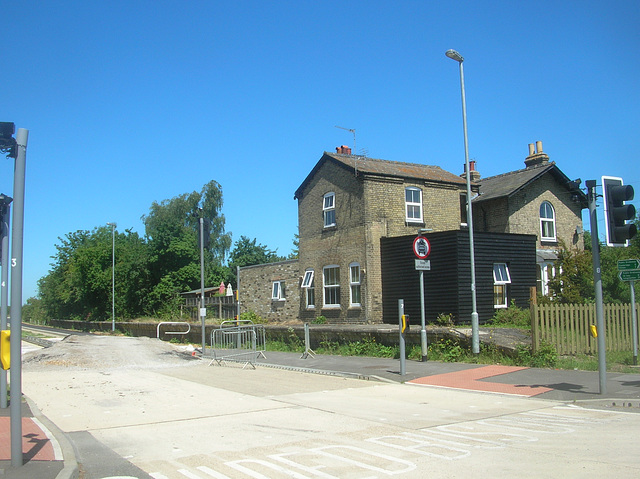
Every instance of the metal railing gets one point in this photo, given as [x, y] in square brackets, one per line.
[172, 332]
[238, 341]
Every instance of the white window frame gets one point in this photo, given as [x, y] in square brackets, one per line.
[310, 289]
[330, 288]
[308, 279]
[355, 285]
[277, 291]
[501, 278]
[464, 214]
[412, 204]
[329, 211]
[546, 220]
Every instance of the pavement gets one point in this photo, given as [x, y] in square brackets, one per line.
[49, 453]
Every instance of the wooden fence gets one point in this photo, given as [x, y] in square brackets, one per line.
[567, 327]
[222, 307]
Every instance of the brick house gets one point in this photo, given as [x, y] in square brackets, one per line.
[538, 199]
[349, 203]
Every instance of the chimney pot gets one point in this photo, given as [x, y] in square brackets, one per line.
[536, 155]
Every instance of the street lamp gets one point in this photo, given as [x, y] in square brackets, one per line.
[113, 275]
[475, 340]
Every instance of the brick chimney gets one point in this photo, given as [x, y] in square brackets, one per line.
[536, 155]
[343, 150]
[475, 175]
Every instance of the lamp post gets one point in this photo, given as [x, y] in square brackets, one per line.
[475, 341]
[113, 275]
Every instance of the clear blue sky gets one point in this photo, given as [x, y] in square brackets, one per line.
[130, 102]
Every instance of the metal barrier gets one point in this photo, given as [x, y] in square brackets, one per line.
[238, 341]
[172, 332]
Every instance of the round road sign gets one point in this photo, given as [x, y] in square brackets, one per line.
[421, 247]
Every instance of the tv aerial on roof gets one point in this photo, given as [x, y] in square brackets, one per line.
[352, 130]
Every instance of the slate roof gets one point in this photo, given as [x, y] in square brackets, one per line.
[384, 168]
[508, 184]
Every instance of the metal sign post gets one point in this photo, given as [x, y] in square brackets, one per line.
[422, 248]
[629, 270]
[403, 365]
[597, 283]
[17, 236]
[4, 288]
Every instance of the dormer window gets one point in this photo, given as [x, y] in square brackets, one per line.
[547, 222]
[413, 204]
[329, 209]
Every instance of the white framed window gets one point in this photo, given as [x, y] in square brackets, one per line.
[463, 209]
[331, 286]
[277, 291]
[501, 278]
[329, 209]
[413, 204]
[547, 222]
[308, 278]
[355, 285]
[310, 290]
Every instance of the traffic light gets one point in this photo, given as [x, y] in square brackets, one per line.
[7, 141]
[616, 212]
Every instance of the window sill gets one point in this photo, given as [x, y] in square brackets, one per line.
[355, 306]
[549, 241]
[275, 300]
[500, 306]
[331, 306]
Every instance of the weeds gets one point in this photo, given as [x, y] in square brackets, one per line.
[513, 317]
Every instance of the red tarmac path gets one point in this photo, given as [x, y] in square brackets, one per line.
[36, 443]
[472, 379]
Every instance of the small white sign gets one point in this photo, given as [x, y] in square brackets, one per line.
[423, 265]
[203, 312]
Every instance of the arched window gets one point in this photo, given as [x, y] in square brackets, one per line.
[547, 222]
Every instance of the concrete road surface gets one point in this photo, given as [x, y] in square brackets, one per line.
[193, 421]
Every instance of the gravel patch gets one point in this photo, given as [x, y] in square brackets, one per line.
[108, 352]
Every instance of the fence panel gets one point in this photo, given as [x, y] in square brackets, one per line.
[567, 327]
[238, 341]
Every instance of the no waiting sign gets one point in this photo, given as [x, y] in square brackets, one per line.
[421, 247]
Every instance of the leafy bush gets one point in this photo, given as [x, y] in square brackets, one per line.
[513, 316]
[444, 319]
[545, 357]
[447, 350]
[252, 316]
[320, 320]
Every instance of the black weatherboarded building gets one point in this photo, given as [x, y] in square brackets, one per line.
[505, 267]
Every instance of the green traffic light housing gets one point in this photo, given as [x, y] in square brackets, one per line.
[617, 212]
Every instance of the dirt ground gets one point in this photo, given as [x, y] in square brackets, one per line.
[107, 352]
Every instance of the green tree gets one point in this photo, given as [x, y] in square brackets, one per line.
[573, 282]
[248, 252]
[79, 284]
[172, 229]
